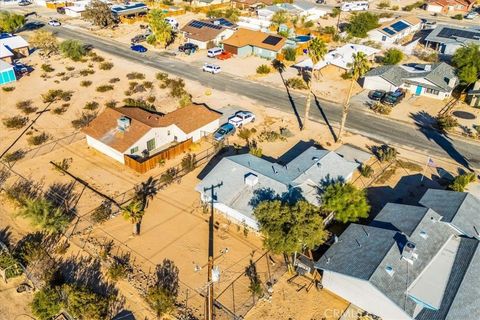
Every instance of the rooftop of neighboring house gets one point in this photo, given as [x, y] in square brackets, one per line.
[411, 255]
[248, 179]
[13, 42]
[204, 30]
[4, 52]
[391, 28]
[5, 66]
[438, 75]
[449, 34]
[252, 2]
[444, 3]
[127, 9]
[246, 37]
[293, 7]
[105, 126]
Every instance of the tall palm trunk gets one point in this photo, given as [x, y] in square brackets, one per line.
[136, 228]
[307, 106]
[345, 109]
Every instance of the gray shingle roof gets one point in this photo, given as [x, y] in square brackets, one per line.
[461, 209]
[455, 36]
[438, 76]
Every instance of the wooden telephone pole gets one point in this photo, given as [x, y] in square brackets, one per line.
[209, 313]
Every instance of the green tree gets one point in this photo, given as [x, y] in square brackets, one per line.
[46, 303]
[279, 17]
[44, 214]
[461, 181]
[99, 14]
[467, 60]
[288, 228]
[361, 23]
[392, 56]
[317, 49]
[134, 212]
[160, 300]
[359, 67]
[73, 49]
[161, 29]
[44, 41]
[11, 22]
[82, 303]
[346, 201]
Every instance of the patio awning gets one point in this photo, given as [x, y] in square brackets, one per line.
[307, 64]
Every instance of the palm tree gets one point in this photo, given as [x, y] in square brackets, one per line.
[134, 212]
[360, 65]
[161, 29]
[44, 214]
[317, 49]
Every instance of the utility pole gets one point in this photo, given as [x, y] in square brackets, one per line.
[209, 313]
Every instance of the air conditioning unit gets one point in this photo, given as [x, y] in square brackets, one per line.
[123, 123]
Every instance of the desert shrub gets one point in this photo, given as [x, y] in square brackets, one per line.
[308, 24]
[188, 162]
[104, 88]
[60, 74]
[22, 189]
[38, 139]
[148, 84]
[138, 88]
[85, 83]
[47, 68]
[184, 100]
[26, 106]
[15, 122]
[118, 269]
[412, 6]
[366, 171]
[135, 76]
[256, 151]
[335, 12]
[111, 104]
[161, 76]
[168, 176]
[361, 23]
[263, 69]
[102, 213]
[14, 156]
[461, 181]
[139, 103]
[383, 15]
[385, 153]
[114, 80]
[384, 4]
[97, 58]
[62, 109]
[86, 72]
[446, 122]
[270, 136]
[128, 93]
[151, 99]
[392, 56]
[8, 89]
[106, 66]
[296, 83]
[84, 119]
[10, 265]
[62, 165]
[458, 16]
[56, 94]
[70, 68]
[395, 8]
[73, 49]
[92, 105]
[381, 108]
[290, 54]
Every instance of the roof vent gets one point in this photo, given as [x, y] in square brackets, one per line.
[409, 252]
[389, 270]
[123, 123]
[427, 67]
[251, 179]
[423, 234]
[315, 159]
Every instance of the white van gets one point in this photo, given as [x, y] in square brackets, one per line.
[172, 21]
[354, 6]
[212, 53]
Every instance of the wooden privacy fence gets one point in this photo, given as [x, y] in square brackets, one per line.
[145, 164]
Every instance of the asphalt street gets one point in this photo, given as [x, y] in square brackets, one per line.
[359, 121]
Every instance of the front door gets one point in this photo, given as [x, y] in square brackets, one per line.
[419, 91]
[151, 144]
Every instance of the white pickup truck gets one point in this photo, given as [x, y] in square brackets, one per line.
[241, 118]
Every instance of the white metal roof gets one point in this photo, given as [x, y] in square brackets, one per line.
[14, 42]
[4, 52]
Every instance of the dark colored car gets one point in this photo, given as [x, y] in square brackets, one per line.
[393, 98]
[139, 38]
[188, 47]
[224, 131]
[376, 95]
[138, 48]
[61, 10]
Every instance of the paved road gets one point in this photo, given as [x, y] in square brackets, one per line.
[381, 129]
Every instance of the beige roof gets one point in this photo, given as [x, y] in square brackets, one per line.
[245, 37]
[206, 32]
[103, 127]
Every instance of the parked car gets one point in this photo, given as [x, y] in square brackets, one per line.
[20, 68]
[138, 48]
[188, 47]
[24, 3]
[140, 38]
[213, 52]
[172, 22]
[376, 95]
[471, 15]
[393, 98]
[224, 55]
[224, 131]
[212, 68]
[54, 23]
[61, 10]
[241, 118]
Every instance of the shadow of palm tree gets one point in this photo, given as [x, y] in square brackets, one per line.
[280, 68]
[424, 122]
[324, 116]
[146, 191]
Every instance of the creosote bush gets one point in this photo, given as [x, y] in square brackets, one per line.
[263, 69]
[92, 105]
[296, 83]
[85, 83]
[135, 76]
[47, 68]
[84, 119]
[106, 66]
[14, 156]
[15, 122]
[104, 88]
[26, 106]
[381, 108]
[446, 122]
[38, 139]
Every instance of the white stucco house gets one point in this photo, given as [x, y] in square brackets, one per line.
[306, 9]
[395, 31]
[431, 80]
[207, 34]
[136, 132]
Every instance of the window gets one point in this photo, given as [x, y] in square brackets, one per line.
[151, 144]
[168, 132]
[134, 150]
[432, 91]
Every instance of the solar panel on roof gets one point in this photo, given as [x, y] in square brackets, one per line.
[450, 33]
[389, 31]
[224, 22]
[272, 40]
[399, 26]
[200, 24]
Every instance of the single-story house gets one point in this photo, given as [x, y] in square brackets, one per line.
[300, 8]
[7, 74]
[247, 42]
[431, 80]
[76, 10]
[446, 6]
[130, 9]
[207, 34]
[446, 39]
[134, 131]
[246, 180]
[254, 24]
[411, 262]
[395, 31]
[13, 47]
[204, 3]
[341, 57]
[251, 4]
[473, 95]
